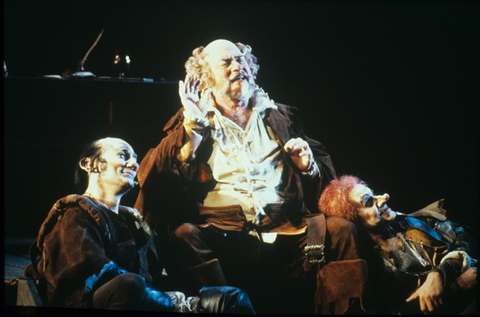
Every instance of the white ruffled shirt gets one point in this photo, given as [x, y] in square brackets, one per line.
[247, 164]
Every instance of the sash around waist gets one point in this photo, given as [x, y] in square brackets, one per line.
[231, 217]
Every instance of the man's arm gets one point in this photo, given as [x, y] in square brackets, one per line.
[195, 111]
[164, 170]
[430, 293]
[162, 178]
[71, 252]
[456, 261]
[287, 126]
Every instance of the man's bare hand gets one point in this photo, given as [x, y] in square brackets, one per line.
[189, 96]
[430, 293]
[468, 279]
[300, 152]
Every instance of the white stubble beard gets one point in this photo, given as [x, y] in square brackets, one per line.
[225, 90]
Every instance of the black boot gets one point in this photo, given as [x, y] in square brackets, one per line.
[224, 300]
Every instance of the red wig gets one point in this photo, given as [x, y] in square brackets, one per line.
[334, 200]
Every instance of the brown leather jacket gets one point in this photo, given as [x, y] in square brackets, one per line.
[78, 238]
[411, 247]
[171, 190]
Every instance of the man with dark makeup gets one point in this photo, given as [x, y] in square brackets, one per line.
[420, 262]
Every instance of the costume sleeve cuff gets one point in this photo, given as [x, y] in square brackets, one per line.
[192, 121]
[182, 303]
[461, 257]
[194, 128]
[447, 269]
[187, 152]
[313, 170]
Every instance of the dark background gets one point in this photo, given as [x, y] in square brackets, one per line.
[390, 88]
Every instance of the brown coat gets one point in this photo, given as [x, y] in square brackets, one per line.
[170, 190]
[80, 236]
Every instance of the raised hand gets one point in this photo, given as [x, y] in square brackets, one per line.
[189, 96]
[300, 152]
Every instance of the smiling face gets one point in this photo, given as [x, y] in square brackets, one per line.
[233, 77]
[117, 165]
[372, 210]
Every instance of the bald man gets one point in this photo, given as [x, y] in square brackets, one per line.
[235, 180]
[92, 252]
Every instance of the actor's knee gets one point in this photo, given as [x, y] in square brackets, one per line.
[185, 232]
[121, 292]
[132, 287]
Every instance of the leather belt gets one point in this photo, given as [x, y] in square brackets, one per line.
[315, 248]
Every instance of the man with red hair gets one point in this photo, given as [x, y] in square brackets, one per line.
[416, 262]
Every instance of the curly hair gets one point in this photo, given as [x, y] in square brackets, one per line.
[334, 199]
[197, 65]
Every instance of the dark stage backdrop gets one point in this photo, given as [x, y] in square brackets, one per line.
[390, 88]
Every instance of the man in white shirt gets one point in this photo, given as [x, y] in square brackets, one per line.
[234, 180]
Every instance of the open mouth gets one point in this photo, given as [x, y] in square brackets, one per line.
[239, 77]
[384, 211]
